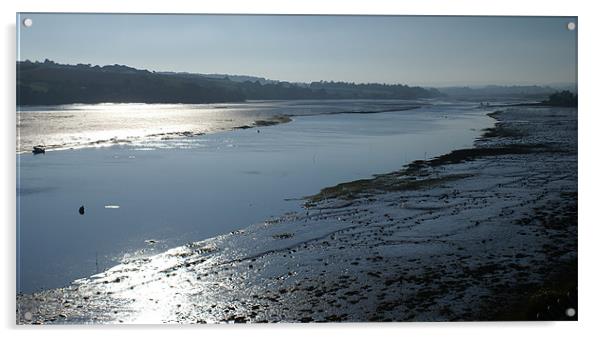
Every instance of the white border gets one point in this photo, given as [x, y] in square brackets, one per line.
[589, 162]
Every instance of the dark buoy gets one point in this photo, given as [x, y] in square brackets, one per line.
[258, 130]
[82, 210]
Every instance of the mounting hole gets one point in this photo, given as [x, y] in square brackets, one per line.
[27, 22]
[571, 26]
[570, 312]
[27, 315]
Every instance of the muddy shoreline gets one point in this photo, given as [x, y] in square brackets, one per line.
[556, 291]
[478, 234]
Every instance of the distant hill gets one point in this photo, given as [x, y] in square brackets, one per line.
[234, 78]
[50, 83]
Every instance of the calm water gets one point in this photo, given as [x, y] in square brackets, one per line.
[187, 189]
[83, 125]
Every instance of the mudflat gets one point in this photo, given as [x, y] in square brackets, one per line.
[478, 234]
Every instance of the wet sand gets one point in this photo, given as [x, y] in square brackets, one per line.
[477, 234]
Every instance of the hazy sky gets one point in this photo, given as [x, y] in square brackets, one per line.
[414, 50]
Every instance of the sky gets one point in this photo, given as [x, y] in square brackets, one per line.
[426, 51]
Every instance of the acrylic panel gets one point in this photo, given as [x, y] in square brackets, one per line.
[288, 168]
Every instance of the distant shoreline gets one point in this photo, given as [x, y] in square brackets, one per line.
[48, 82]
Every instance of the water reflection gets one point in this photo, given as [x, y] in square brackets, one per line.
[83, 125]
[209, 186]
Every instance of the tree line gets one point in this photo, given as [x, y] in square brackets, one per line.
[50, 83]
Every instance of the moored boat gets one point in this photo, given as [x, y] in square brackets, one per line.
[39, 150]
